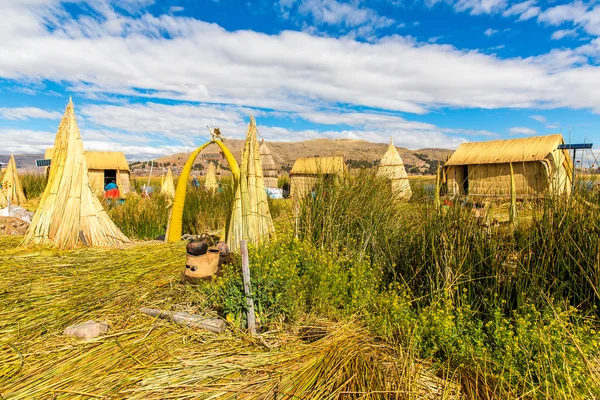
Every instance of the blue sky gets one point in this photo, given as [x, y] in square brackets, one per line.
[147, 76]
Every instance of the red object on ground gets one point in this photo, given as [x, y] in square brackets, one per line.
[112, 194]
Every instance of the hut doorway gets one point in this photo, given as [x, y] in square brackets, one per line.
[461, 179]
[109, 176]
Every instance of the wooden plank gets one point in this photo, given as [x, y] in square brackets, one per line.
[247, 287]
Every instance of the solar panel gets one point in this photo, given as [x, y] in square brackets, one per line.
[43, 163]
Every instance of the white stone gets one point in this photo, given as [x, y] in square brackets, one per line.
[87, 330]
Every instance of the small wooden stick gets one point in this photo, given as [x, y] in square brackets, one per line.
[247, 287]
[215, 325]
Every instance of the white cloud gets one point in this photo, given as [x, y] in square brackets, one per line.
[519, 130]
[24, 113]
[489, 32]
[289, 71]
[478, 7]
[530, 13]
[578, 13]
[335, 13]
[538, 118]
[176, 9]
[519, 8]
[563, 33]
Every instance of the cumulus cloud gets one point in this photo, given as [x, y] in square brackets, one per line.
[24, 113]
[290, 71]
[520, 130]
[489, 32]
[584, 15]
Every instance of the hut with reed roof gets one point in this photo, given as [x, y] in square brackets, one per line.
[306, 172]
[11, 188]
[105, 167]
[70, 214]
[391, 167]
[269, 167]
[482, 169]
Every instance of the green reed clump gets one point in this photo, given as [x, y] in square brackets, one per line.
[33, 185]
[205, 211]
[355, 214]
[140, 217]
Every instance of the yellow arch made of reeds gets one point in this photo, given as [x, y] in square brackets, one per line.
[175, 221]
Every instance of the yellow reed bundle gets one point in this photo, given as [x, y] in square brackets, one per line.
[250, 218]
[168, 187]
[11, 186]
[69, 213]
[211, 178]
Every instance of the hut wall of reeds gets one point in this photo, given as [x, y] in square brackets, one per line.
[269, 166]
[103, 168]
[69, 213]
[11, 186]
[483, 168]
[392, 168]
[306, 172]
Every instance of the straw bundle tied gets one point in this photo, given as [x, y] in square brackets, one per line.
[69, 213]
[392, 168]
[11, 186]
[168, 187]
[250, 218]
[211, 178]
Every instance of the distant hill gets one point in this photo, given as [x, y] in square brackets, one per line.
[24, 162]
[357, 153]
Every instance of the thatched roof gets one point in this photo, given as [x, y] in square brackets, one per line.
[536, 148]
[10, 186]
[101, 159]
[69, 213]
[319, 165]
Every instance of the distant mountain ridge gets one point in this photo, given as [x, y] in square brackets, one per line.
[357, 153]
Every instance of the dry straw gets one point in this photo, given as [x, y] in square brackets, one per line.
[250, 218]
[211, 178]
[168, 187]
[69, 213]
[11, 186]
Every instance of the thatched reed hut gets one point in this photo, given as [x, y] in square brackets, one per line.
[69, 213]
[483, 168]
[105, 167]
[306, 172]
[391, 167]
[268, 166]
[10, 188]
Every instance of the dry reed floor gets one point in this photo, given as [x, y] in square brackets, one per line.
[42, 291]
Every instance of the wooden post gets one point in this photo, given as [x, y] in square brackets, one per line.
[512, 213]
[438, 186]
[247, 287]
